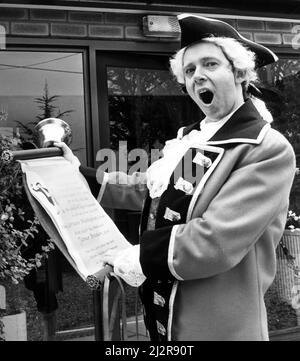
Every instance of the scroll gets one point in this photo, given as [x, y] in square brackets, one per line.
[81, 229]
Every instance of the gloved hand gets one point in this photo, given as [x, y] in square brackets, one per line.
[126, 264]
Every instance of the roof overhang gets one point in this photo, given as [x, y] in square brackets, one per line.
[289, 9]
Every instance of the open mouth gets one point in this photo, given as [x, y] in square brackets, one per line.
[206, 96]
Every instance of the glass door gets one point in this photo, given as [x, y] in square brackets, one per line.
[140, 107]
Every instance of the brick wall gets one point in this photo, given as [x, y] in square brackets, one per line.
[73, 24]
[120, 26]
[267, 32]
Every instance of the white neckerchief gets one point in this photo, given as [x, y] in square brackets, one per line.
[209, 128]
[159, 173]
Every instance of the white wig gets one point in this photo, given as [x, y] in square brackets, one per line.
[241, 59]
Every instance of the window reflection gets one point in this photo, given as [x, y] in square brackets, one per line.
[34, 86]
[37, 85]
[283, 78]
[146, 107]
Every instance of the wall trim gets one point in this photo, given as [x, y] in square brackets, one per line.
[106, 45]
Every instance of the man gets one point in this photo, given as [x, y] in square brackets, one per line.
[207, 243]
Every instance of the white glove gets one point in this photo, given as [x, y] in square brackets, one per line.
[127, 265]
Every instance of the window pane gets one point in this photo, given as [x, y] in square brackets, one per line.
[146, 107]
[34, 86]
[38, 85]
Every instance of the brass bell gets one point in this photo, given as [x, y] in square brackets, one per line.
[52, 130]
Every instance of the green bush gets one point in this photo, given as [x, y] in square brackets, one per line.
[17, 233]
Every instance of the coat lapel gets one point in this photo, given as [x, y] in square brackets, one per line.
[245, 126]
[177, 203]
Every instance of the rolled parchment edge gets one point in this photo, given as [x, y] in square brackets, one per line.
[36, 153]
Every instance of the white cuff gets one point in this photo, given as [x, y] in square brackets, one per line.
[127, 266]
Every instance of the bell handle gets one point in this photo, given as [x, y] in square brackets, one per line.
[37, 153]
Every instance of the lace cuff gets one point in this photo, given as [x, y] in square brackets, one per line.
[127, 266]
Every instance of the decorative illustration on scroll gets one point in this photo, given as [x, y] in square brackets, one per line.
[38, 187]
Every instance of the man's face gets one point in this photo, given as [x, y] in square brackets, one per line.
[210, 81]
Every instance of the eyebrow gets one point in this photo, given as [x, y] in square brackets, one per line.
[206, 58]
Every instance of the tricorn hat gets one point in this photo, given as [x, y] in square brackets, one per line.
[194, 28]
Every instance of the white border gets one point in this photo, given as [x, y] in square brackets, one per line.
[171, 252]
[258, 140]
[171, 306]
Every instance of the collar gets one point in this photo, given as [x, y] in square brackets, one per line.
[245, 125]
[217, 123]
[209, 128]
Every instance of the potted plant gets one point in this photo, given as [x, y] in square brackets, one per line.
[18, 230]
[292, 223]
[288, 264]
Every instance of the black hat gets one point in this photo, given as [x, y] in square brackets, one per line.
[194, 28]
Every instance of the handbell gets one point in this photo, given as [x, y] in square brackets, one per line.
[52, 130]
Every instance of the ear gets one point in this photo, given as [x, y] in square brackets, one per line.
[240, 76]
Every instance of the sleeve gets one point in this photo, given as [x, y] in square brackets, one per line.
[90, 176]
[116, 190]
[217, 240]
[122, 191]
